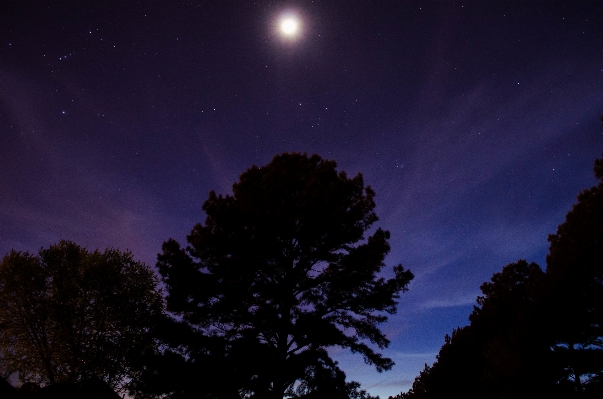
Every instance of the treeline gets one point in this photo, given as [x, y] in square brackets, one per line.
[534, 333]
[280, 271]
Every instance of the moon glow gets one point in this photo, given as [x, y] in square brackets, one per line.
[289, 26]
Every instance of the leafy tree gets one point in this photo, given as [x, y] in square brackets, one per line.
[283, 266]
[69, 315]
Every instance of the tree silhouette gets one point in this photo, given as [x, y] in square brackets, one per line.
[502, 353]
[533, 334]
[193, 365]
[515, 337]
[575, 290]
[283, 265]
[456, 369]
[69, 315]
[7, 391]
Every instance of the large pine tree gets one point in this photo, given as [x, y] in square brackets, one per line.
[281, 270]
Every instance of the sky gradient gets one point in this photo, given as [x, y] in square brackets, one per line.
[476, 123]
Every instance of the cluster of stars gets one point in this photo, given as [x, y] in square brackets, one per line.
[64, 57]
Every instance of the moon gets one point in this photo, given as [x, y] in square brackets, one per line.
[289, 26]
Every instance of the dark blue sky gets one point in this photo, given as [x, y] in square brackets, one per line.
[477, 123]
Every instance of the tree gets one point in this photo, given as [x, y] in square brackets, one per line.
[575, 285]
[453, 371]
[7, 391]
[502, 353]
[282, 264]
[515, 337]
[69, 315]
[192, 365]
[534, 334]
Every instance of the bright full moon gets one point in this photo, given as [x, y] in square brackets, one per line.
[289, 26]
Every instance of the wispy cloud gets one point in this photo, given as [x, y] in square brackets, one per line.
[448, 303]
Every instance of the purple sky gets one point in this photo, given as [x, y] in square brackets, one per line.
[476, 123]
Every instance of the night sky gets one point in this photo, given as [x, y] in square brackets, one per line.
[476, 123]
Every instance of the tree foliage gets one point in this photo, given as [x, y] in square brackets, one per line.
[69, 315]
[534, 333]
[494, 356]
[283, 266]
[192, 364]
[575, 290]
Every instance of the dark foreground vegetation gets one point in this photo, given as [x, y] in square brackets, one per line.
[534, 333]
[279, 272]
